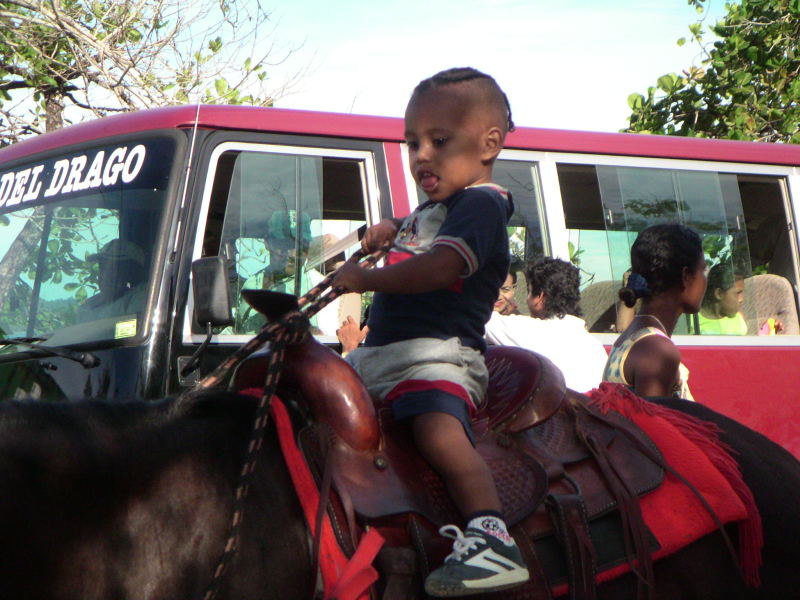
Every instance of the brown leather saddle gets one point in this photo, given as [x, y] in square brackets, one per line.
[568, 477]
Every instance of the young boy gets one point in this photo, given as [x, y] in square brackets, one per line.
[424, 349]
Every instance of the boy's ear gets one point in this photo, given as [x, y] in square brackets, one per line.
[492, 144]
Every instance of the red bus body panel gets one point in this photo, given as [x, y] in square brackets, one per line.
[758, 386]
[251, 118]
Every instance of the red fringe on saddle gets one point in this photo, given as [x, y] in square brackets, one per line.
[342, 578]
[692, 447]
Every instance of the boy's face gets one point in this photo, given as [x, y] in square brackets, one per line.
[451, 144]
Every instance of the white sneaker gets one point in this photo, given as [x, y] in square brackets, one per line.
[479, 563]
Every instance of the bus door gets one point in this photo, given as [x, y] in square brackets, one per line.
[283, 217]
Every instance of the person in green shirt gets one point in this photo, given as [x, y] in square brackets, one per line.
[720, 313]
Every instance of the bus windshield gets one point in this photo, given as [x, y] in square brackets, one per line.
[77, 233]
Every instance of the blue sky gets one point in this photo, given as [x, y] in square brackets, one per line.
[563, 63]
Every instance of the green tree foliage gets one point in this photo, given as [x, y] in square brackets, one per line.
[747, 86]
[66, 60]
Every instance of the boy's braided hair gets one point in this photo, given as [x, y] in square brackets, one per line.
[468, 74]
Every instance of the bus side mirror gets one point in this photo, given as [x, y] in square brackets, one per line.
[212, 299]
[212, 306]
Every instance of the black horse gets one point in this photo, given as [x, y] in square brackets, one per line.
[132, 501]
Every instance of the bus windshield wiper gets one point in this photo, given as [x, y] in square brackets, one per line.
[88, 360]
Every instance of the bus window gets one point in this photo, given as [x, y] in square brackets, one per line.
[76, 251]
[526, 234]
[741, 219]
[771, 291]
[282, 221]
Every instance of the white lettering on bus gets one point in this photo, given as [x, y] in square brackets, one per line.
[19, 187]
[34, 186]
[6, 185]
[114, 165]
[60, 170]
[132, 169]
[77, 165]
[71, 175]
[94, 177]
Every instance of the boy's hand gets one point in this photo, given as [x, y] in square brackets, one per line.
[380, 235]
[351, 277]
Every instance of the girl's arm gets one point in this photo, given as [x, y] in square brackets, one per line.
[652, 366]
[435, 270]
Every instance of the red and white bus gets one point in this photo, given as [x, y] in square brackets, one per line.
[280, 194]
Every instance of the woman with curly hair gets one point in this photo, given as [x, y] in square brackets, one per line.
[554, 328]
[668, 271]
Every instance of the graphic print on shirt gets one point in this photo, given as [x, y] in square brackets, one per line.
[420, 228]
[418, 233]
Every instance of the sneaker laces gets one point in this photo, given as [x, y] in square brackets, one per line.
[461, 543]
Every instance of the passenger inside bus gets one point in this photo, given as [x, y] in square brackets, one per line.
[294, 267]
[554, 328]
[121, 270]
[770, 246]
[288, 249]
[286, 253]
[721, 312]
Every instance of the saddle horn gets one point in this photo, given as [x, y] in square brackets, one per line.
[272, 305]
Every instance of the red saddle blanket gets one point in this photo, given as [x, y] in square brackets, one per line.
[674, 514]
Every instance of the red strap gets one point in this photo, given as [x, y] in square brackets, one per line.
[342, 579]
[359, 574]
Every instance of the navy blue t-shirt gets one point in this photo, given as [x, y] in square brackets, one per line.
[473, 223]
